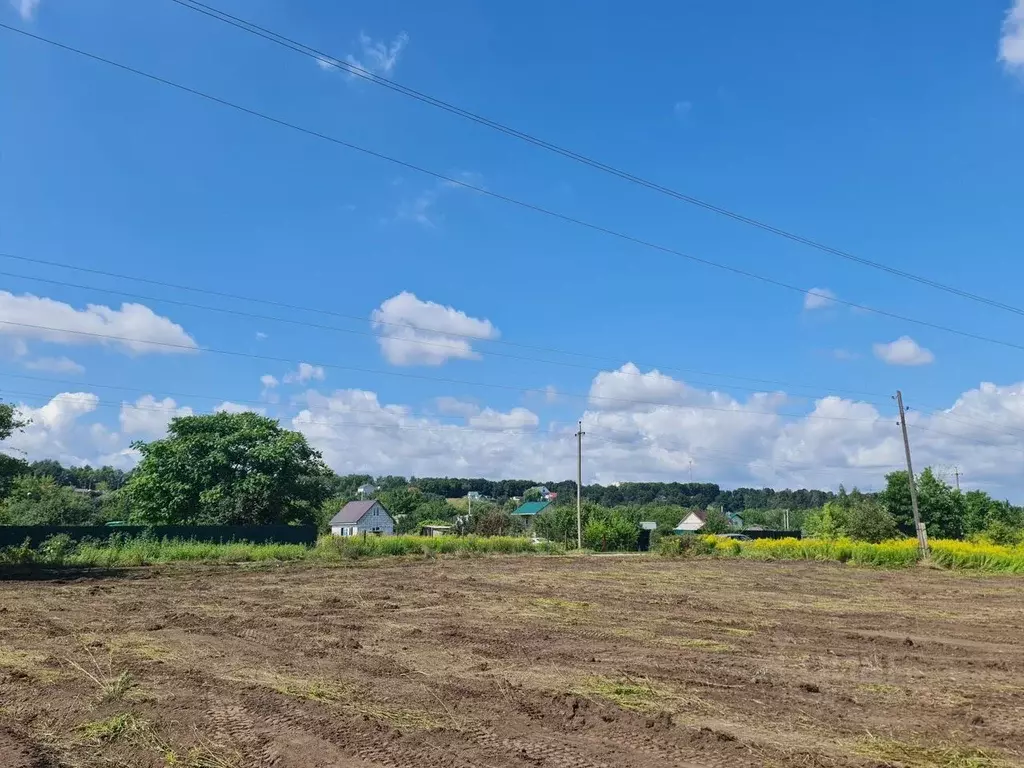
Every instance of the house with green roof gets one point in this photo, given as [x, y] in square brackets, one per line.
[531, 509]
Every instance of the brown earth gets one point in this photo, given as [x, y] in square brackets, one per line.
[502, 662]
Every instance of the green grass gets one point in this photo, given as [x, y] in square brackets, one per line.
[114, 728]
[959, 555]
[143, 551]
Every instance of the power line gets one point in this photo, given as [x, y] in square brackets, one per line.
[423, 342]
[935, 413]
[423, 377]
[505, 198]
[433, 428]
[389, 324]
[357, 71]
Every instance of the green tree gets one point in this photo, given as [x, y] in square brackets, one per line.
[868, 520]
[10, 467]
[36, 500]
[532, 494]
[226, 468]
[944, 511]
[716, 521]
[942, 508]
[829, 522]
[400, 501]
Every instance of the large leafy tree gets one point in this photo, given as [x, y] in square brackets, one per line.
[944, 511]
[237, 469]
[38, 500]
[10, 467]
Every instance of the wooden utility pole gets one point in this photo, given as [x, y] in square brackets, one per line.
[579, 487]
[922, 534]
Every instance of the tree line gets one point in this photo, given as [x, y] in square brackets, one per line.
[245, 469]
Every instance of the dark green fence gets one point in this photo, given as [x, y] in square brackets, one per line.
[14, 535]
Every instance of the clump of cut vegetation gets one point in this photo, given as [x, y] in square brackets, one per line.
[920, 756]
[114, 728]
[636, 695]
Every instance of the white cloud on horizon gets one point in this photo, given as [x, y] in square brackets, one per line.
[818, 298]
[734, 442]
[136, 326]
[149, 417]
[228, 407]
[1011, 44]
[903, 351]
[415, 332]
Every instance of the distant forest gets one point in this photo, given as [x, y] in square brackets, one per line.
[689, 495]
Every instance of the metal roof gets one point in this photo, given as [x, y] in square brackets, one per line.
[532, 508]
[353, 512]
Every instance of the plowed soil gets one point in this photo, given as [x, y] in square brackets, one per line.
[512, 662]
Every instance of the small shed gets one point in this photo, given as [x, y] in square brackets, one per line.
[436, 530]
[358, 517]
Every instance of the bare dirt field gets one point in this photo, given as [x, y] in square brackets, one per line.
[530, 661]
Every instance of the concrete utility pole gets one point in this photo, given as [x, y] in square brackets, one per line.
[579, 487]
[922, 534]
[956, 471]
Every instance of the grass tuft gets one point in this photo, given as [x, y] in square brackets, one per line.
[919, 756]
[634, 695]
[115, 728]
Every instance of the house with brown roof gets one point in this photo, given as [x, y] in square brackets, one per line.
[361, 517]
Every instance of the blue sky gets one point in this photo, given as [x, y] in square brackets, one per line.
[893, 133]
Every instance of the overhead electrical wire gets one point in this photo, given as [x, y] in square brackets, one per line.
[423, 377]
[936, 413]
[357, 71]
[505, 198]
[384, 323]
[422, 342]
[450, 427]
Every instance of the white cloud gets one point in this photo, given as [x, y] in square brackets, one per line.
[1011, 45]
[260, 336]
[228, 407]
[305, 372]
[517, 418]
[26, 8]
[415, 332]
[375, 56]
[730, 441]
[149, 417]
[453, 406]
[423, 209]
[903, 351]
[268, 381]
[54, 365]
[818, 298]
[31, 317]
[550, 394]
[54, 431]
